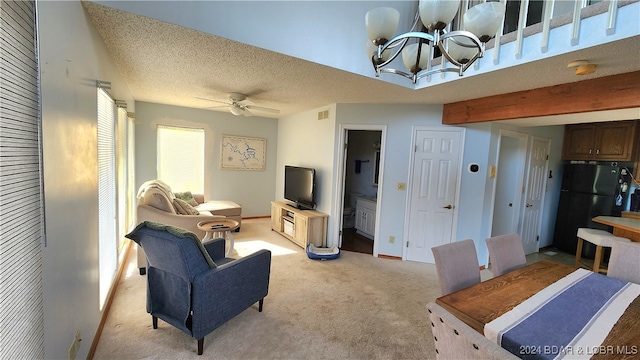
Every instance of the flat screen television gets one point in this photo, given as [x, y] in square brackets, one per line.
[300, 186]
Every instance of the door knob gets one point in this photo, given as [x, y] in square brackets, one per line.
[529, 205]
[448, 207]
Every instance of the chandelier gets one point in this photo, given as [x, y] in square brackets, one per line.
[429, 32]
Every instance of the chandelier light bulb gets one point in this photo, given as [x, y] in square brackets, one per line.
[461, 49]
[436, 14]
[381, 24]
[410, 56]
[484, 20]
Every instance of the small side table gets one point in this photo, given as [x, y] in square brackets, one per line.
[219, 228]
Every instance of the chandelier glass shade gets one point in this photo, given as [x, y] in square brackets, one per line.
[461, 48]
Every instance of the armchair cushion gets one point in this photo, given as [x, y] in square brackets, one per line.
[175, 231]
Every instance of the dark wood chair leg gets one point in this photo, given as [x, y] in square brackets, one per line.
[155, 322]
[200, 346]
[260, 305]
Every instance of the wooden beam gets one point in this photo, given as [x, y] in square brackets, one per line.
[620, 91]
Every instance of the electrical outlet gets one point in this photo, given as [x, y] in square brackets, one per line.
[75, 345]
[402, 186]
[392, 239]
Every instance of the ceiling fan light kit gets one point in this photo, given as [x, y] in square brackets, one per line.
[429, 31]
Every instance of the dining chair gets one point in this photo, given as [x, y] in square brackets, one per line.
[506, 253]
[454, 339]
[457, 265]
[624, 262]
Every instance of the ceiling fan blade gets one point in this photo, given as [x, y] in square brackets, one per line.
[260, 108]
[217, 107]
[246, 112]
[221, 102]
[245, 102]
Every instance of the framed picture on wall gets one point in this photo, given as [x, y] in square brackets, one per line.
[242, 153]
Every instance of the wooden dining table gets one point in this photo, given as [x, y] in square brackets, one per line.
[482, 303]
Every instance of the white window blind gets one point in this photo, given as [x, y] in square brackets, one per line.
[181, 158]
[21, 209]
[121, 175]
[107, 234]
[131, 180]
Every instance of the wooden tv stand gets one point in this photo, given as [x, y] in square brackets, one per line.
[302, 227]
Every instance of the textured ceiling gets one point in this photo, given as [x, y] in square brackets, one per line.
[169, 64]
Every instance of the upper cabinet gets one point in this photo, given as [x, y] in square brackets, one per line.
[615, 141]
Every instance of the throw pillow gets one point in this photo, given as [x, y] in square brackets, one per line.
[183, 208]
[186, 196]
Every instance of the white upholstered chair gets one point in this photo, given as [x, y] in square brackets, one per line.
[457, 265]
[624, 262]
[454, 339]
[506, 253]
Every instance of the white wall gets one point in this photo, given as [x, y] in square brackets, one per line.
[72, 58]
[305, 141]
[252, 189]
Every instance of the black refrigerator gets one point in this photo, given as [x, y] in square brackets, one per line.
[589, 189]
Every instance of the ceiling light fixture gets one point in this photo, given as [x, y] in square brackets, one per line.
[236, 110]
[428, 32]
[582, 67]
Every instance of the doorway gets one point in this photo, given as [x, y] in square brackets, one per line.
[359, 180]
[511, 157]
[434, 184]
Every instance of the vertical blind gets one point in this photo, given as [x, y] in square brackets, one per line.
[21, 219]
[107, 233]
[181, 158]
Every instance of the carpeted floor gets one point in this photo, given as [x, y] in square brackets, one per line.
[354, 307]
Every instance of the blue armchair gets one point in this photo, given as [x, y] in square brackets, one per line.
[192, 286]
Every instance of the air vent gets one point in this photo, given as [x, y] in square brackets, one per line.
[324, 114]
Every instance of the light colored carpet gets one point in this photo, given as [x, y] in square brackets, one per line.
[354, 307]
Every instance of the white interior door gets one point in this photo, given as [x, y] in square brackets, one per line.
[432, 187]
[508, 186]
[534, 195]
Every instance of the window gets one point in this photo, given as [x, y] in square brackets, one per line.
[107, 234]
[181, 158]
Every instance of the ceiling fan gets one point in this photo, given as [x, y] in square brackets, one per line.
[239, 105]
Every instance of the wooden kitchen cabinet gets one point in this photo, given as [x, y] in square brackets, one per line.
[615, 141]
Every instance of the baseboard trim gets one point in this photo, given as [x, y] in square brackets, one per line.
[112, 293]
[382, 256]
[257, 217]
